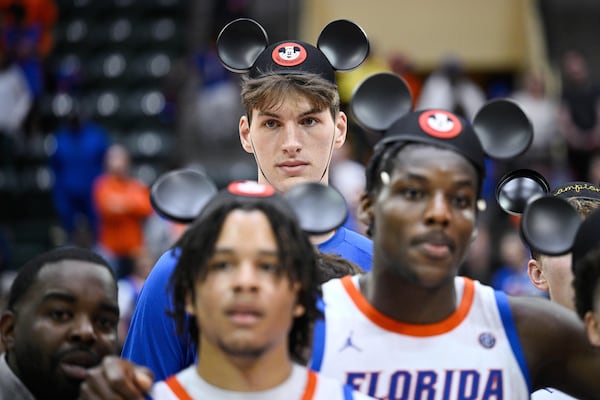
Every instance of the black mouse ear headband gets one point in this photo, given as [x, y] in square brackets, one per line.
[181, 195]
[500, 129]
[549, 223]
[242, 46]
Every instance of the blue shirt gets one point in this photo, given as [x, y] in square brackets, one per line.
[152, 339]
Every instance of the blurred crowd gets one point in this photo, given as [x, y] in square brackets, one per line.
[98, 203]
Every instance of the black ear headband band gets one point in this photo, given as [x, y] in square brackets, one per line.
[549, 224]
[181, 195]
[243, 46]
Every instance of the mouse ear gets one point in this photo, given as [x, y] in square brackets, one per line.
[319, 208]
[518, 188]
[180, 195]
[240, 43]
[344, 44]
[549, 225]
[503, 129]
[380, 100]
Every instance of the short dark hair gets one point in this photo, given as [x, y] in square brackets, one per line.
[586, 274]
[384, 156]
[29, 271]
[296, 253]
[270, 90]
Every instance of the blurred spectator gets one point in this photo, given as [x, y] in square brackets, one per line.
[130, 286]
[511, 277]
[160, 234]
[5, 248]
[218, 101]
[35, 16]
[15, 103]
[348, 80]
[78, 158]
[579, 112]
[402, 65]
[123, 204]
[27, 34]
[593, 173]
[348, 176]
[545, 151]
[450, 88]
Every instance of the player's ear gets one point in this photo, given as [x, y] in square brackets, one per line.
[365, 212]
[299, 310]
[7, 329]
[189, 304]
[244, 131]
[341, 130]
[592, 328]
[536, 274]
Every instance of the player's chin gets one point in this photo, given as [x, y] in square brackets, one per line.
[432, 276]
[289, 182]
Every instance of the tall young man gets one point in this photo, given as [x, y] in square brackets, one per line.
[292, 125]
[412, 328]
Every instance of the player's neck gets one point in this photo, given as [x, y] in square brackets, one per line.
[243, 374]
[419, 304]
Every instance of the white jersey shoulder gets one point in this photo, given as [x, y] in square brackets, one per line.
[301, 384]
[474, 353]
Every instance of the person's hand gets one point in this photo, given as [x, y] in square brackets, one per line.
[116, 378]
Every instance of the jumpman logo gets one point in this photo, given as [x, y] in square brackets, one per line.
[350, 343]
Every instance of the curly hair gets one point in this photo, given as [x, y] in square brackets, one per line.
[335, 266]
[296, 254]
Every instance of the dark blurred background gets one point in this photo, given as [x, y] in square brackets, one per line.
[144, 74]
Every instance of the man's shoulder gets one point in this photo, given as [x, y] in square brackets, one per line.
[166, 263]
[352, 246]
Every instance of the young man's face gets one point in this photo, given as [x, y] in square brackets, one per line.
[424, 219]
[65, 324]
[293, 142]
[245, 306]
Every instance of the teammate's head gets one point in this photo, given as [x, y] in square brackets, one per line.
[292, 126]
[420, 208]
[586, 273]
[293, 120]
[246, 259]
[554, 273]
[61, 319]
[432, 127]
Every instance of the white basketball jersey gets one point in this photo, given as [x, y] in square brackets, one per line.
[302, 385]
[475, 353]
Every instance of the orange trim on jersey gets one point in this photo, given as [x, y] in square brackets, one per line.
[390, 324]
[176, 387]
[311, 385]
